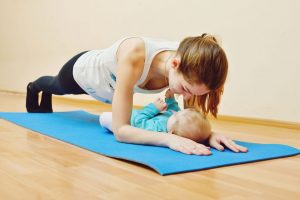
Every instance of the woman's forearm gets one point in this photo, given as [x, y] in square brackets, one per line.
[130, 134]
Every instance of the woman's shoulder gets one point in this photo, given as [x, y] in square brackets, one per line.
[132, 48]
[132, 44]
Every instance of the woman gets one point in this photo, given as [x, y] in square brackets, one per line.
[196, 68]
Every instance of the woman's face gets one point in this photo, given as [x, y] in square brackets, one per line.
[179, 85]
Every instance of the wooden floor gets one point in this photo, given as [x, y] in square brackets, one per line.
[33, 166]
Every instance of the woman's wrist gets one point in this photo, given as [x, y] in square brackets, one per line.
[167, 137]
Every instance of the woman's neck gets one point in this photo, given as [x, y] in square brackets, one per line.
[162, 64]
[159, 70]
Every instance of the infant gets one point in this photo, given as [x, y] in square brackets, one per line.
[166, 116]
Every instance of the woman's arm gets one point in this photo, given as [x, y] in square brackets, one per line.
[129, 70]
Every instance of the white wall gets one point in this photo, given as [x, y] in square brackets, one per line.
[261, 38]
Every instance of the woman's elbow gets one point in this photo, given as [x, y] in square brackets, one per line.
[119, 133]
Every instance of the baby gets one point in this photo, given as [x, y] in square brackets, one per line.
[166, 116]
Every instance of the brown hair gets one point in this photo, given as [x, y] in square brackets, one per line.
[203, 61]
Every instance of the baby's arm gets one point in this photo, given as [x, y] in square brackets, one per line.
[146, 113]
[144, 117]
[172, 104]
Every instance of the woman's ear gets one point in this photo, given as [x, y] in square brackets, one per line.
[175, 62]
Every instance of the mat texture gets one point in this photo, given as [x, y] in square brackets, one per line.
[83, 130]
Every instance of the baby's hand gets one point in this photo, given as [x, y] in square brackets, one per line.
[169, 94]
[160, 104]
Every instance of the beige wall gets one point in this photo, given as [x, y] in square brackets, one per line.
[261, 39]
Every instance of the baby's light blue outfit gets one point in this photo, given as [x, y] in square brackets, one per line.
[150, 118]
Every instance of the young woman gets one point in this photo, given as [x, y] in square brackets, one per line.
[195, 68]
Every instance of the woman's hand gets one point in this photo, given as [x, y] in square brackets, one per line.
[186, 146]
[216, 140]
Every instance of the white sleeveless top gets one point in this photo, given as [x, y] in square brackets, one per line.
[95, 70]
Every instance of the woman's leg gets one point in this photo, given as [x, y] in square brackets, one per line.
[105, 120]
[61, 84]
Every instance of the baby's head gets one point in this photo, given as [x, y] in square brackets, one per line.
[191, 124]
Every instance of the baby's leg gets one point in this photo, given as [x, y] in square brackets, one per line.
[105, 120]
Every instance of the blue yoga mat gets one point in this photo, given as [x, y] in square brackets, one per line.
[82, 129]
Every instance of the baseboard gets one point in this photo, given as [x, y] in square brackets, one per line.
[264, 122]
[238, 119]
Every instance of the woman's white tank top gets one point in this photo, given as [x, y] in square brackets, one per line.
[95, 70]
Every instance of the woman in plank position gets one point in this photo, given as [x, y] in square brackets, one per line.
[195, 68]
